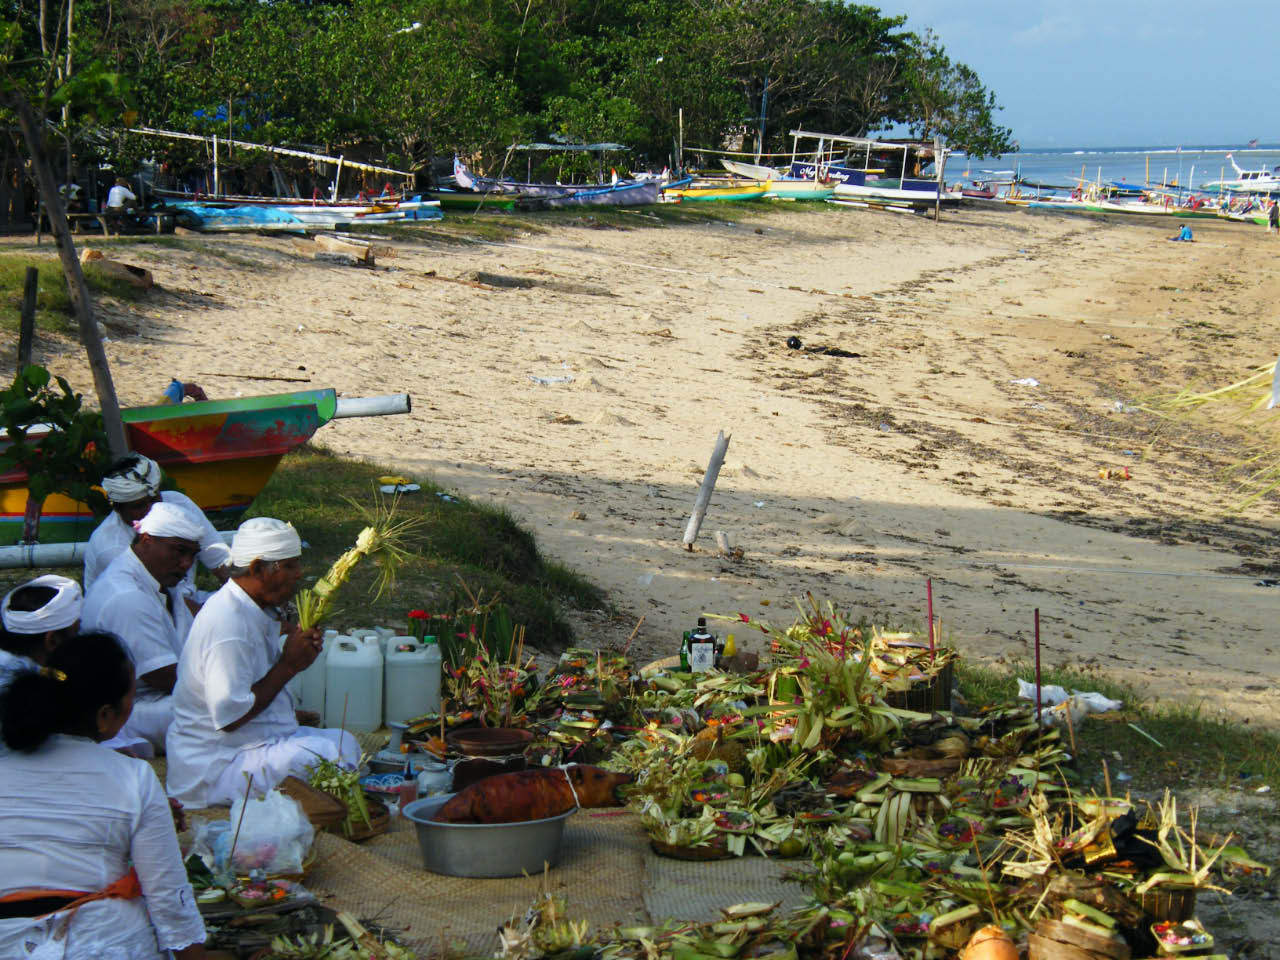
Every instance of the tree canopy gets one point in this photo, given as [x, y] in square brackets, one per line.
[410, 80]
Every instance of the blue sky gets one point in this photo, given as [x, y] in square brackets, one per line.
[1118, 73]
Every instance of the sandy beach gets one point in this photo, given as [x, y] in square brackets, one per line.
[902, 441]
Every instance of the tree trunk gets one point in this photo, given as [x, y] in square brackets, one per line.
[90, 336]
[31, 520]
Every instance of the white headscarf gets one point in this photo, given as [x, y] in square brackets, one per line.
[170, 520]
[58, 614]
[264, 538]
[138, 478]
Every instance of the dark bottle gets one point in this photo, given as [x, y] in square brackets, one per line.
[702, 648]
[684, 653]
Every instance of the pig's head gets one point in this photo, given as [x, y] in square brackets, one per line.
[596, 787]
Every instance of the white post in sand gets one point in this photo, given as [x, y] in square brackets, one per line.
[704, 492]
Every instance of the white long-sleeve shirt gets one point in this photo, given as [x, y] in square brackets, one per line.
[114, 536]
[129, 602]
[119, 196]
[232, 644]
[75, 816]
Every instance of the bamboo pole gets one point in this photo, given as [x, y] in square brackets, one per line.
[704, 492]
[90, 336]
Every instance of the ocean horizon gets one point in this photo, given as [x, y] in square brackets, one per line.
[1186, 165]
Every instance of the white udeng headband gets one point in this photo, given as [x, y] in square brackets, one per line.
[140, 479]
[58, 614]
[264, 538]
[170, 520]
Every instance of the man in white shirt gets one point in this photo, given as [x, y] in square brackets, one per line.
[139, 599]
[120, 197]
[232, 716]
[132, 485]
[37, 616]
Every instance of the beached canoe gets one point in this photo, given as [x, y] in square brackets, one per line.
[219, 452]
[630, 193]
[715, 191]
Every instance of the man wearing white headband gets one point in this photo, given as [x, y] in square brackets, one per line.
[132, 485]
[231, 712]
[37, 616]
[141, 598]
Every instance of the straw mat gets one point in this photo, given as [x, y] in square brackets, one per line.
[601, 875]
[696, 890]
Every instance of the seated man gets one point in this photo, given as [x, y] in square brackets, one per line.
[140, 600]
[232, 716]
[132, 485]
[37, 616]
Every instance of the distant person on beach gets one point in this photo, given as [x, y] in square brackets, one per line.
[232, 716]
[89, 861]
[120, 198]
[1183, 235]
[1273, 216]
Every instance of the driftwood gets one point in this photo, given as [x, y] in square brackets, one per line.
[704, 492]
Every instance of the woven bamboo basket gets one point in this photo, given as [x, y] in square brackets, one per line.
[934, 693]
[1167, 903]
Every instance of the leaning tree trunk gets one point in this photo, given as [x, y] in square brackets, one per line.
[90, 336]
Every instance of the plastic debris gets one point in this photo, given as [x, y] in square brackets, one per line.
[548, 381]
[1026, 382]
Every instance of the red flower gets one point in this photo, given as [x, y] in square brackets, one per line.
[419, 615]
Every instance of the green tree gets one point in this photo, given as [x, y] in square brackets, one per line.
[947, 100]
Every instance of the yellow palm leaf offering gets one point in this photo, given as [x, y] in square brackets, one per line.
[383, 540]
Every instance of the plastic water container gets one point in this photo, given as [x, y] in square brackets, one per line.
[434, 778]
[408, 680]
[353, 677]
[309, 692]
[434, 665]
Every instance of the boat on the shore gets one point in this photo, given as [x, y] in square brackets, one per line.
[833, 159]
[630, 193]
[220, 452]
[699, 190]
[781, 186]
[212, 216]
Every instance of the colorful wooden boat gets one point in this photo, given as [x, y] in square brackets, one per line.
[712, 190]
[219, 452]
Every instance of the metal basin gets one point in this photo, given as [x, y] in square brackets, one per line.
[485, 849]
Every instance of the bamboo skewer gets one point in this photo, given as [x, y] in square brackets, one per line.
[248, 786]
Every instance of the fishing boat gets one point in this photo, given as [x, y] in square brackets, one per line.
[715, 190]
[781, 187]
[866, 182]
[469, 201]
[210, 216]
[1248, 181]
[220, 453]
[627, 193]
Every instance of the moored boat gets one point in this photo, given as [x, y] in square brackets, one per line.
[716, 190]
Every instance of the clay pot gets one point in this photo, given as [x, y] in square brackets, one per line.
[990, 943]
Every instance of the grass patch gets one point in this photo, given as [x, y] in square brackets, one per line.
[461, 542]
[54, 312]
[1197, 749]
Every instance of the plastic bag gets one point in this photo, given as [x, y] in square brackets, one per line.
[275, 837]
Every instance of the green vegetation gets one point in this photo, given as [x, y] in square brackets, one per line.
[53, 303]
[1192, 748]
[461, 543]
[413, 80]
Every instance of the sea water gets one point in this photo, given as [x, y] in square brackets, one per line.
[1194, 165]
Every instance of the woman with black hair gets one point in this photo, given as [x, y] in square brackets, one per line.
[74, 817]
[36, 617]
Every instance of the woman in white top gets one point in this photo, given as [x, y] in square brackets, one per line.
[89, 861]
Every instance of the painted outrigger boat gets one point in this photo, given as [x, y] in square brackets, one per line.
[221, 453]
[716, 190]
[781, 186]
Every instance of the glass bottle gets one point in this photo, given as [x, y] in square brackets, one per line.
[702, 648]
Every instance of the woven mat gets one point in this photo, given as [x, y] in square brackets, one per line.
[601, 874]
[696, 890]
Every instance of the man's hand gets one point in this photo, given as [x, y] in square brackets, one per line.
[179, 818]
[307, 718]
[301, 648]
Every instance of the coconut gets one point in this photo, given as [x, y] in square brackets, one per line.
[990, 943]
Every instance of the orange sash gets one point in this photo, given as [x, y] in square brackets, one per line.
[126, 888]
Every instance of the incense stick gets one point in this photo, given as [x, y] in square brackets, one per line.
[627, 646]
[243, 809]
[928, 588]
[1037, 667]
